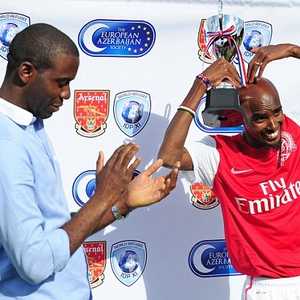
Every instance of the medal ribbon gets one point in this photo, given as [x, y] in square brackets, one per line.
[228, 33]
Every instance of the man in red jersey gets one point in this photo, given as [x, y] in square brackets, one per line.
[255, 175]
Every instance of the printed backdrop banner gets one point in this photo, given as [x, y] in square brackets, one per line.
[137, 62]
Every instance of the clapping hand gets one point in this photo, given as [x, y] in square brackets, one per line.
[145, 190]
[113, 177]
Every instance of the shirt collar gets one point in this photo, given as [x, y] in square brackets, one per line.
[16, 113]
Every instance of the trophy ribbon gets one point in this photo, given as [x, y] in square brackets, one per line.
[216, 35]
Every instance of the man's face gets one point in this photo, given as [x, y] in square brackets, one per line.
[50, 87]
[263, 114]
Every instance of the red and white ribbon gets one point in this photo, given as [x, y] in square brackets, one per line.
[228, 33]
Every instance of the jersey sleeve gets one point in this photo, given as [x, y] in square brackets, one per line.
[205, 159]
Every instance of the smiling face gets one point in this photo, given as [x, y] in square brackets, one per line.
[49, 87]
[263, 114]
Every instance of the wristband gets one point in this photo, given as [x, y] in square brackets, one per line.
[187, 109]
[117, 213]
[205, 80]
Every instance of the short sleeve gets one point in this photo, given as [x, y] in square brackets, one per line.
[205, 159]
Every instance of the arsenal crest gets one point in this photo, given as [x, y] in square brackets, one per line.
[91, 108]
[202, 196]
[203, 53]
[96, 257]
[128, 260]
[132, 111]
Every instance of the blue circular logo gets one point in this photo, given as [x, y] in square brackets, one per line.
[254, 39]
[132, 112]
[90, 188]
[84, 187]
[8, 32]
[129, 261]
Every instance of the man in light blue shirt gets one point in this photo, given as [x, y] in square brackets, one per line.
[40, 244]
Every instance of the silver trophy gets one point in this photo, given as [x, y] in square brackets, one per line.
[224, 35]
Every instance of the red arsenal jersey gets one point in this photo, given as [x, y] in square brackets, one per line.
[259, 192]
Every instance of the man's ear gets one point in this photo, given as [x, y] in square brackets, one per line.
[26, 72]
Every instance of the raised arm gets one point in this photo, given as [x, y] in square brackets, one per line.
[264, 55]
[172, 148]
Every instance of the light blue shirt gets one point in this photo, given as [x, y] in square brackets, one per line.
[35, 261]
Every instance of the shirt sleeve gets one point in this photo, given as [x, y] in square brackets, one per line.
[205, 159]
[35, 253]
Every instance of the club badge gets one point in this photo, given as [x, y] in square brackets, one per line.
[128, 260]
[203, 52]
[91, 109]
[132, 111]
[288, 146]
[202, 196]
[257, 34]
[96, 256]
[10, 25]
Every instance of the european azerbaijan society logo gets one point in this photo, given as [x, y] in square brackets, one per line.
[210, 259]
[131, 111]
[10, 25]
[128, 260]
[119, 38]
[84, 187]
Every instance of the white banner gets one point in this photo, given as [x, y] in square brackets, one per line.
[137, 62]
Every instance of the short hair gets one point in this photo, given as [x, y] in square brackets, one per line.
[39, 44]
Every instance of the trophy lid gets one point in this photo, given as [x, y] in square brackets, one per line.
[223, 22]
[226, 30]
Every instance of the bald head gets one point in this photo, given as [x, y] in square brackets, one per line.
[262, 90]
[262, 113]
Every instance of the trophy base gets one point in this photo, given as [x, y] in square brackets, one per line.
[222, 108]
[222, 98]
